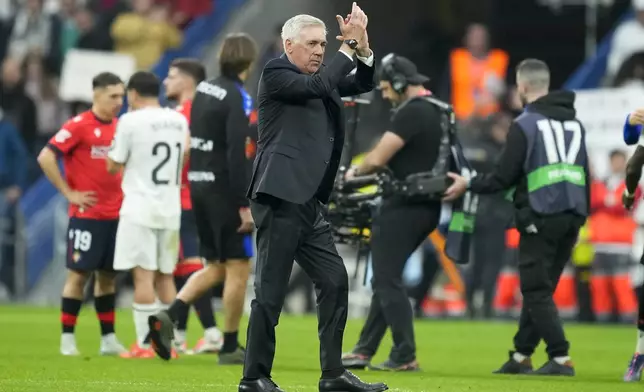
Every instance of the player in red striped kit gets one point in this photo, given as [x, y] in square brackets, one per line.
[183, 77]
[94, 201]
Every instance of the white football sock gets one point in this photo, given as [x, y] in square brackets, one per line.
[561, 360]
[141, 314]
[639, 348]
[518, 357]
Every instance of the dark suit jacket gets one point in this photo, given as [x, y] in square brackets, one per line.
[301, 127]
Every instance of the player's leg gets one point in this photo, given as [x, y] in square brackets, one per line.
[636, 365]
[72, 300]
[105, 305]
[136, 251]
[539, 279]
[191, 263]
[105, 292]
[81, 262]
[237, 272]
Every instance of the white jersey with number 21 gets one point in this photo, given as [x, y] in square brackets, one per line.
[151, 143]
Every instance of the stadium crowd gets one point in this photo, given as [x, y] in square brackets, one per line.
[36, 35]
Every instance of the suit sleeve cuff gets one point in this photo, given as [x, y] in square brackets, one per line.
[368, 61]
[347, 54]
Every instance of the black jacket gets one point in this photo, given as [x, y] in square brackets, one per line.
[220, 130]
[558, 105]
[301, 127]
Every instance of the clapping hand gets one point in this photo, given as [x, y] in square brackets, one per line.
[354, 26]
[637, 117]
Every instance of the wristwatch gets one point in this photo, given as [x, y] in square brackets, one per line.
[352, 43]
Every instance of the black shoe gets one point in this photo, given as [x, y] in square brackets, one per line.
[391, 366]
[553, 368]
[355, 361]
[348, 382]
[514, 367]
[259, 385]
[161, 334]
[233, 358]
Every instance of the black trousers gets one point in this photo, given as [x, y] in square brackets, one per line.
[287, 232]
[397, 232]
[542, 258]
[488, 248]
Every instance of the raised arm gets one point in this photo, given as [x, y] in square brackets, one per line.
[362, 80]
[283, 82]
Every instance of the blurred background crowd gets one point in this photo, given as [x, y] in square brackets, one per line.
[468, 48]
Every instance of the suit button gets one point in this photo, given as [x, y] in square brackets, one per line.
[331, 140]
[326, 162]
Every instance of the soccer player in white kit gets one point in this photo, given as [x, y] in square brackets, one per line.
[150, 146]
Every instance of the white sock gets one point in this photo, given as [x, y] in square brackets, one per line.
[518, 357]
[141, 314]
[179, 336]
[639, 348]
[561, 360]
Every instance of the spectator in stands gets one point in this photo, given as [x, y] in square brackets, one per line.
[628, 39]
[17, 106]
[13, 172]
[274, 49]
[476, 76]
[631, 72]
[42, 88]
[93, 35]
[36, 31]
[69, 30]
[612, 229]
[184, 11]
[145, 33]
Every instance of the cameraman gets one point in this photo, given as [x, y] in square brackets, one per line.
[401, 226]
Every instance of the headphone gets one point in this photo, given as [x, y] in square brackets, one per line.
[398, 81]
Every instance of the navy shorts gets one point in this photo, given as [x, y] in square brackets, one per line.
[90, 244]
[189, 236]
[217, 225]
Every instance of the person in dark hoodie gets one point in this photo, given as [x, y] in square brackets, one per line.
[545, 160]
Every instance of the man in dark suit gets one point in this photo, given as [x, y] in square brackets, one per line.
[301, 132]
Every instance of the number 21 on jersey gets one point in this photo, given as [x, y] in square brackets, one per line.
[554, 139]
[160, 175]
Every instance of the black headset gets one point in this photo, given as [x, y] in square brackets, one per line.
[398, 81]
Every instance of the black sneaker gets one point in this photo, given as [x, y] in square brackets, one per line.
[553, 368]
[514, 367]
[355, 361]
[161, 334]
[233, 358]
[391, 366]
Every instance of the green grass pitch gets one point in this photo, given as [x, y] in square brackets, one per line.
[454, 356]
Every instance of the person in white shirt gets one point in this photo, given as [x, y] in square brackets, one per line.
[627, 40]
[150, 146]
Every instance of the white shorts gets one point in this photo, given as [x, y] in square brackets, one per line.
[145, 247]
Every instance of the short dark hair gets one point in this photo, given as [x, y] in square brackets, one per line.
[190, 67]
[105, 79]
[145, 83]
[535, 72]
[237, 53]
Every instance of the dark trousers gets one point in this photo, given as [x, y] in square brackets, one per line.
[398, 230]
[488, 248]
[287, 231]
[542, 258]
[431, 267]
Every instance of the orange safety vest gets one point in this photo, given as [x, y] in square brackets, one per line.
[465, 82]
[610, 225]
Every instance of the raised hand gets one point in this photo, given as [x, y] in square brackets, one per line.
[354, 26]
